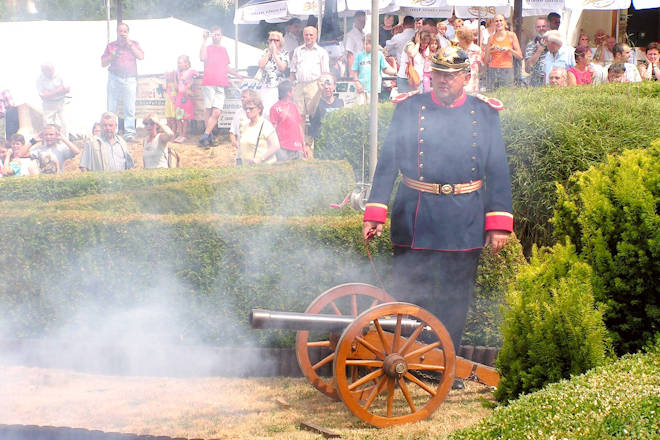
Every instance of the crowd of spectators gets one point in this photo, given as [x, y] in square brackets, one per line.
[298, 82]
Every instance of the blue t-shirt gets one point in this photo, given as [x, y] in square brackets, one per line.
[362, 64]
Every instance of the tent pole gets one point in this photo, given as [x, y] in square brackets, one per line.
[373, 102]
[320, 22]
[107, 18]
[235, 37]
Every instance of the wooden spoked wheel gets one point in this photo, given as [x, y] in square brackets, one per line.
[346, 300]
[392, 345]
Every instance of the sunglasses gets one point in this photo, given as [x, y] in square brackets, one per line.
[148, 124]
[249, 108]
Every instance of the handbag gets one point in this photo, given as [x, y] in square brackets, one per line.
[413, 76]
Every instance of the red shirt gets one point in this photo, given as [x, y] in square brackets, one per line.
[215, 67]
[286, 119]
[125, 64]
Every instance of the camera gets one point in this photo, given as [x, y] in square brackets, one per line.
[539, 39]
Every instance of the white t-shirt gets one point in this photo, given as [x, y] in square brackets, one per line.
[248, 143]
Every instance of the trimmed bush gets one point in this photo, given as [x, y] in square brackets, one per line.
[293, 188]
[550, 133]
[551, 329]
[345, 135]
[611, 213]
[618, 401]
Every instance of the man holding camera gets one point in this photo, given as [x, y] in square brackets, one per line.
[121, 56]
[535, 55]
[214, 81]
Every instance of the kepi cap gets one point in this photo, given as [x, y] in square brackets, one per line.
[450, 59]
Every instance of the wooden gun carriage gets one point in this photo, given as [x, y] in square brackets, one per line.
[392, 362]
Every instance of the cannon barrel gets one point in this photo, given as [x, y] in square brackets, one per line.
[261, 319]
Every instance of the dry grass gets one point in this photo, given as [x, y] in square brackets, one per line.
[210, 408]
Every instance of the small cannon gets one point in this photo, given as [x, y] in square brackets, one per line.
[392, 362]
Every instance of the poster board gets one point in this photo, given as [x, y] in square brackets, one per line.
[151, 95]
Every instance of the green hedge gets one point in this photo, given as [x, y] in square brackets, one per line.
[294, 188]
[214, 268]
[611, 213]
[345, 135]
[549, 132]
[620, 400]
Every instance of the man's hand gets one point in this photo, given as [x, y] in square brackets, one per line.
[497, 240]
[369, 229]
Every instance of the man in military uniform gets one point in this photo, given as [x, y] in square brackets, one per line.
[454, 197]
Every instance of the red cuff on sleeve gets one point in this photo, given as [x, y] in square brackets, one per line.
[499, 221]
[375, 212]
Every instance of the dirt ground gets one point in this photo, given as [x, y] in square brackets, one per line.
[208, 408]
[191, 155]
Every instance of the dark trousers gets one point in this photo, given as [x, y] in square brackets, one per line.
[440, 282]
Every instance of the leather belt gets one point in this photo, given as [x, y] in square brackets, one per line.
[445, 189]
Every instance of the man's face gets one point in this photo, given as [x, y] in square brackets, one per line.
[309, 35]
[553, 46]
[108, 128]
[624, 55]
[360, 20]
[448, 86]
[611, 41]
[216, 34]
[556, 79]
[419, 24]
[653, 55]
[50, 136]
[327, 87]
[555, 22]
[541, 26]
[388, 20]
[122, 32]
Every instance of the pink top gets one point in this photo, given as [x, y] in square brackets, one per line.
[125, 63]
[581, 77]
[215, 67]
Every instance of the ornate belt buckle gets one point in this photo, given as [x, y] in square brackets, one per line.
[446, 189]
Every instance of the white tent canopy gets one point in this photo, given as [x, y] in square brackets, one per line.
[75, 49]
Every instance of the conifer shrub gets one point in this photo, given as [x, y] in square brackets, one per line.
[551, 328]
[611, 213]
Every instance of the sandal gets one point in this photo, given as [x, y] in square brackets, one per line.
[180, 140]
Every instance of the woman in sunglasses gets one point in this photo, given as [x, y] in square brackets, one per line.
[258, 140]
[272, 67]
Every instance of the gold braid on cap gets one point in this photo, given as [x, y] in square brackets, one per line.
[450, 59]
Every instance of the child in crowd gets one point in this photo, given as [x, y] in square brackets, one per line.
[17, 161]
[361, 70]
[170, 98]
[285, 117]
[184, 104]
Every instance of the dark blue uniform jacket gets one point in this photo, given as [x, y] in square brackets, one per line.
[433, 143]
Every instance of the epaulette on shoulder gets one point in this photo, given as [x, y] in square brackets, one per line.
[403, 96]
[494, 103]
